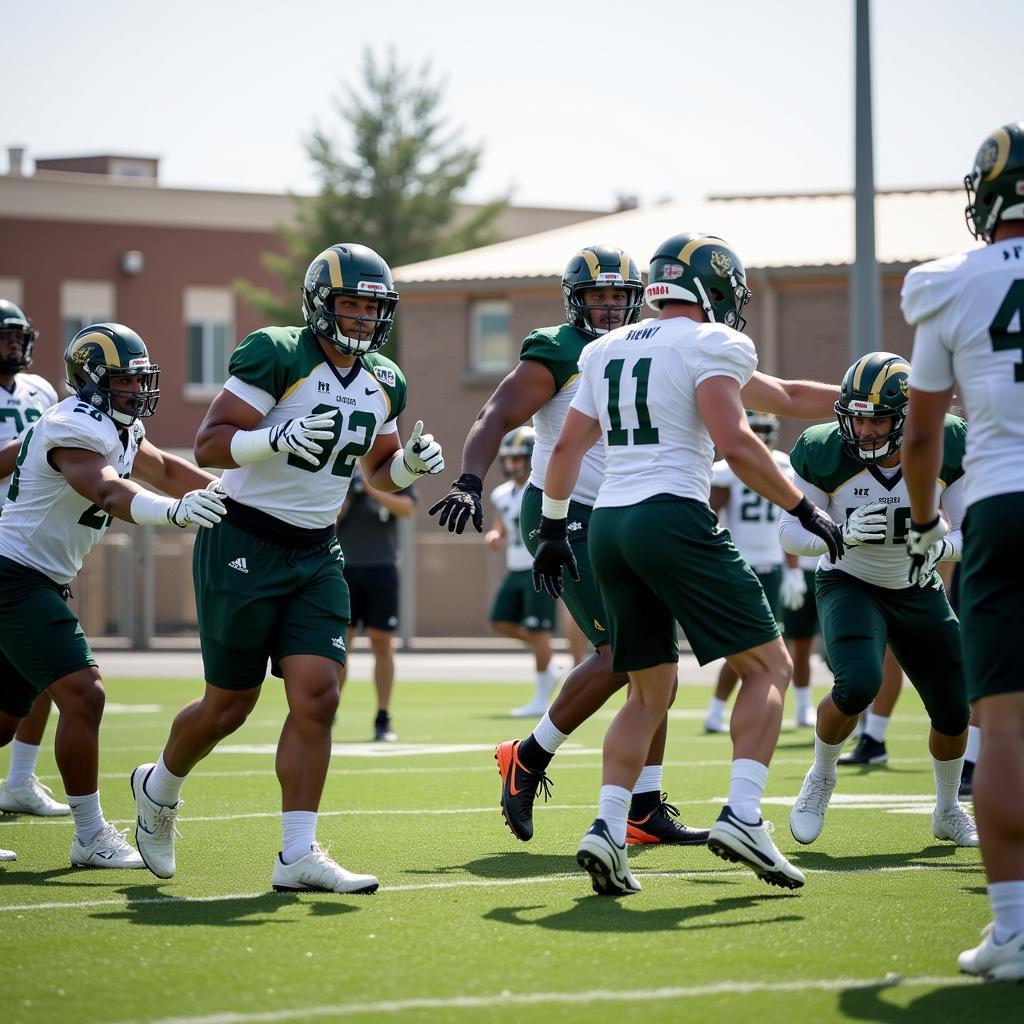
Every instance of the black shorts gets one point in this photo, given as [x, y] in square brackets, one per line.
[373, 593]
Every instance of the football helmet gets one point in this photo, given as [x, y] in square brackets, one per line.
[703, 269]
[600, 266]
[101, 351]
[349, 269]
[517, 444]
[13, 320]
[765, 425]
[995, 185]
[876, 385]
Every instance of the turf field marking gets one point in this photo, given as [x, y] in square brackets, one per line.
[506, 998]
[465, 883]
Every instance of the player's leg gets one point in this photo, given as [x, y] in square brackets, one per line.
[853, 626]
[800, 628]
[22, 792]
[924, 635]
[870, 748]
[538, 619]
[578, 646]
[382, 644]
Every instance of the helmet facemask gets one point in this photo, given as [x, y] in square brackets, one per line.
[581, 315]
[325, 322]
[123, 407]
[14, 326]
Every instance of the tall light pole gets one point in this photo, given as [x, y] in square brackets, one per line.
[865, 280]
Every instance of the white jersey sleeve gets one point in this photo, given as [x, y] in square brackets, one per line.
[262, 401]
[722, 352]
[796, 540]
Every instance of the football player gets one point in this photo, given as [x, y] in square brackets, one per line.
[968, 312]
[754, 530]
[518, 610]
[24, 397]
[851, 468]
[70, 479]
[659, 396]
[300, 406]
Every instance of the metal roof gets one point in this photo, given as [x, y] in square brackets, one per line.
[766, 232]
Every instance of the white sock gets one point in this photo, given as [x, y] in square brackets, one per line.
[161, 786]
[826, 756]
[970, 754]
[546, 683]
[298, 833]
[716, 710]
[613, 808]
[746, 786]
[947, 783]
[1007, 899]
[650, 779]
[23, 763]
[548, 736]
[803, 698]
[877, 726]
[88, 816]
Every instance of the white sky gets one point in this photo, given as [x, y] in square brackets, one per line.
[573, 103]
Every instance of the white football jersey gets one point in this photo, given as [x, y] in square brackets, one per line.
[640, 382]
[507, 498]
[46, 524]
[283, 373]
[30, 396]
[752, 519]
[968, 310]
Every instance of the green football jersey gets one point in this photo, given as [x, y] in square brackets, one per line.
[282, 372]
[839, 484]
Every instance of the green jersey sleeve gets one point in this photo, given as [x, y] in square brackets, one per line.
[954, 443]
[391, 379]
[270, 359]
[818, 458]
[557, 348]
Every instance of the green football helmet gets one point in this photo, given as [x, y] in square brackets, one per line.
[600, 266]
[357, 271]
[876, 385]
[995, 186]
[703, 269]
[14, 324]
[765, 425]
[102, 351]
[517, 444]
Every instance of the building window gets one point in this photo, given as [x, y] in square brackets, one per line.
[209, 332]
[83, 303]
[490, 337]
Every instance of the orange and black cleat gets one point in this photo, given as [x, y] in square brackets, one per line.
[519, 788]
[660, 826]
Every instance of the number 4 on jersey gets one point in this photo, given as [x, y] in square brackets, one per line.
[1007, 329]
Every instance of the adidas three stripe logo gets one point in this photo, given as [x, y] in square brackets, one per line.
[239, 564]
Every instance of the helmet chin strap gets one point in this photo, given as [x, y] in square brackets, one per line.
[704, 300]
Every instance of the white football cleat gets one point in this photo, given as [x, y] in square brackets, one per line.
[316, 872]
[1000, 963]
[806, 719]
[956, 825]
[807, 818]
[109, 849]
[7, 855]
[737, 841]
[31, 797]
[154, 826]
[712, 724]
[535, 709]
[605, 862]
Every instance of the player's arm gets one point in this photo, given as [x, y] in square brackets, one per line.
[167, 472]
[921, 454]
[798, 399]
[97, 481]
[9, 456]
[721, 408]
[390, 467]
[401, 506]
[525, 390]
[496, 537]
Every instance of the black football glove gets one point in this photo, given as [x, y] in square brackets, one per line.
[553, 553]
[461, 502]
[815, 521]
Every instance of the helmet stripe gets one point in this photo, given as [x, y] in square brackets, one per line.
[624, 267]
[858, 373]
[875, 395]
[330, 257]
[1001, 137]
[110, 356]
[690, 248]
[593, 263]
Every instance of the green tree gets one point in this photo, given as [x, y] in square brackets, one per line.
[392, 183]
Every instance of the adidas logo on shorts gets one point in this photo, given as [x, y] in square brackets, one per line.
[239, 564]
[339, 642]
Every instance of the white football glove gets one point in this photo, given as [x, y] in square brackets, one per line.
[793, 589]
[866, 524]
[197, 508]
[422, 454]
[300, 436]
[925, 547]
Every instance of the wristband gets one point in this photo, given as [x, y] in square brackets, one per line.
[800, 510]
[926, 527]
[401, 475]
[249, 446]
[554, 508]
[151, 509]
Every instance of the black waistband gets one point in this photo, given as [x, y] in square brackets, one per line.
[275, 530]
